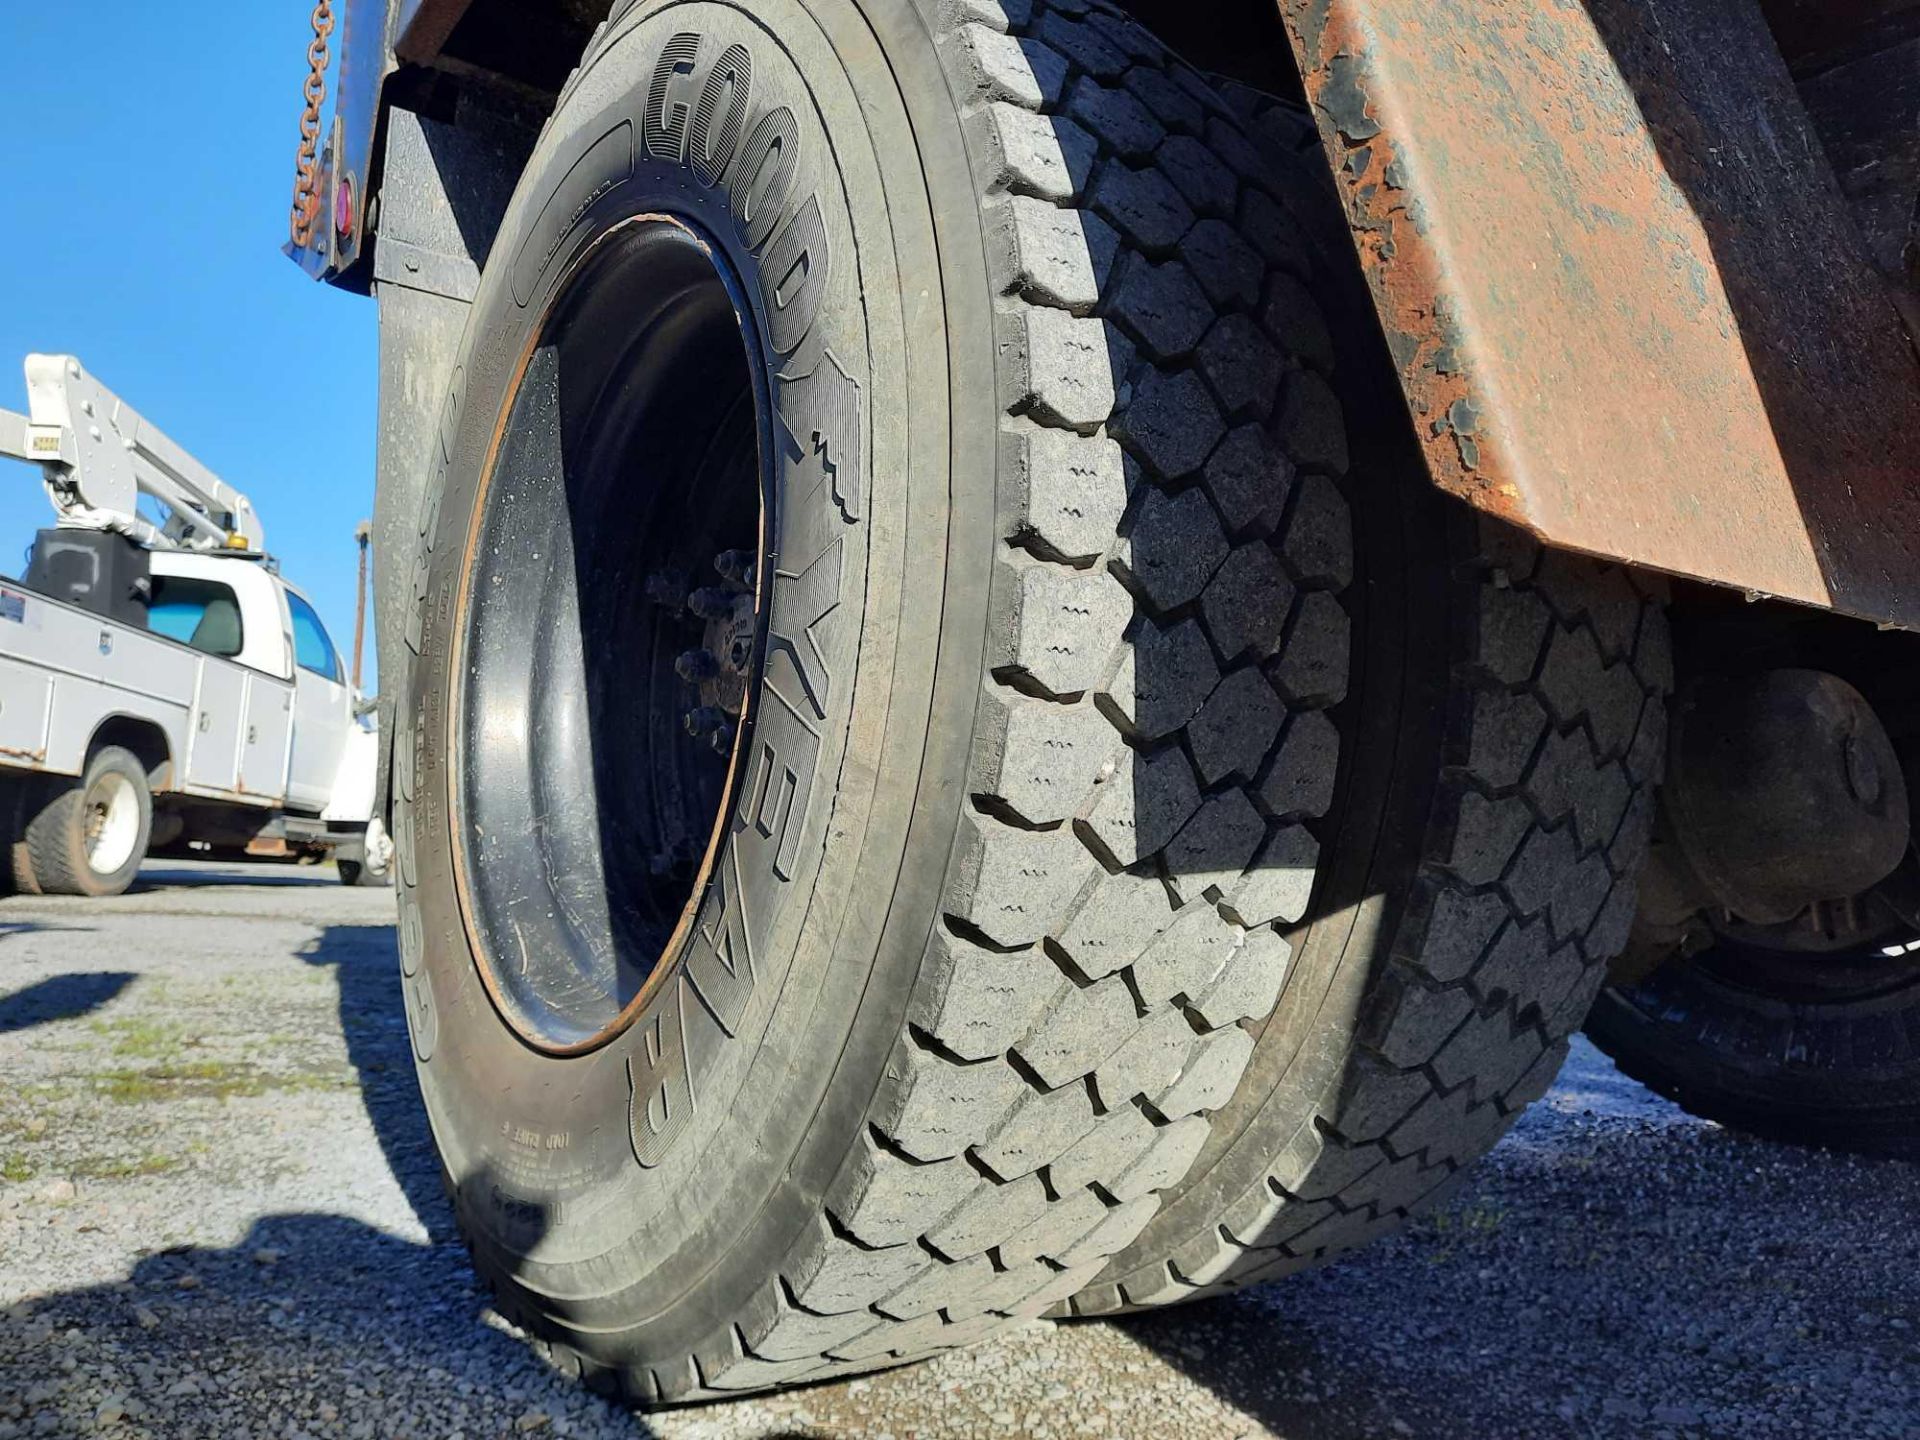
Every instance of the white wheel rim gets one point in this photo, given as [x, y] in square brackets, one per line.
[378, 848]
[113, 823]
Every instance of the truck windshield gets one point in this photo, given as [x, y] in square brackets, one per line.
[200, 613]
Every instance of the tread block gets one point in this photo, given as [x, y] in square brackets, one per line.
[1164, 679]
[1085, 1026]
[1236, 727]
[1115, 1231]
[1044, 1126]
[1247, 602]
[1054, 256]
[1213, 1068]
[1171, 1154]
[1249, 478]
[832, 1276]
[1044, 759]
[882, 1200]
[1012, 68]
[1244, 368]
[1215, 847]
[1161, 308]
[1188, 956]
[1146, 1062]
[977, 1002]
[993, 1211]
[1062, 368]
[1249, 985]
[1144, 805]
[1279, 883]
[1104, 1153]
[1312, 671]
[943, 1107]
[1072, 489]
[1299, 782]
[1116, 920]
[1019, 883]
[1174, 548]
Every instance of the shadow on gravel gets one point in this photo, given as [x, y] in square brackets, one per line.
[1635, 1274]
[58, 997]
[255, 875]
[366, 967]
[327, 1324]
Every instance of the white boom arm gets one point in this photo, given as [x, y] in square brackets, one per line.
[97, 456]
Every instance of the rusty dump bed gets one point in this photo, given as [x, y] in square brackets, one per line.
[1628, 304]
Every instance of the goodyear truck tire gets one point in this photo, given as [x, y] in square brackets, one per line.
[876, 680]
[887, 535]
[1504, 734]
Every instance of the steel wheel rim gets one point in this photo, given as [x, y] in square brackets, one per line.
[585, 893]
[112, 823]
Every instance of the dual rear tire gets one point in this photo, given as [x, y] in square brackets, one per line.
[939, 779]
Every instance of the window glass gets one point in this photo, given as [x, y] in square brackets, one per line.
[200, 613]
[312, 650]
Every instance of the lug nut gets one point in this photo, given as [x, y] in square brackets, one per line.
[697, 665]
[711, 602]
[737, 566]
[722, 737]
[705, 720]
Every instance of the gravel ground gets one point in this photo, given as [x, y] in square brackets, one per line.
[220, 1217]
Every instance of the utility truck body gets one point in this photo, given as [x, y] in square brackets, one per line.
[176, 645]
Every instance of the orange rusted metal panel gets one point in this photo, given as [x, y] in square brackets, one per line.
[1628, 307]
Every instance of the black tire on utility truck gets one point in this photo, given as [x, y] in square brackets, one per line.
[879, 656]
[85, 837]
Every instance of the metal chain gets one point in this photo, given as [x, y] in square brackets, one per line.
[306, 198]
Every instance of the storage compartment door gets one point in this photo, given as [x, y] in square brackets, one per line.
[213, 743]
[263, 748]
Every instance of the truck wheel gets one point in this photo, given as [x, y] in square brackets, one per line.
[353, 873]
[873, 632]
[1505, 734]
[1809, 1048]
[89, 838]
[374, 870]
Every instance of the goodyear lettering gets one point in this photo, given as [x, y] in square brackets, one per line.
[663, 126]
[721, 116]
[764, 175]
[662, 1103]
[720, 955]
[703, 110]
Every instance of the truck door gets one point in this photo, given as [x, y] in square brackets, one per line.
[205, 614]
[322, 709]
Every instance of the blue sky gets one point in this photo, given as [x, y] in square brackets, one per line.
[146, 167]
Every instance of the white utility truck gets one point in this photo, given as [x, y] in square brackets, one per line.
[161, 684]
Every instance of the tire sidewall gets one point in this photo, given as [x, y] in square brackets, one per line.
[689, 1148]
